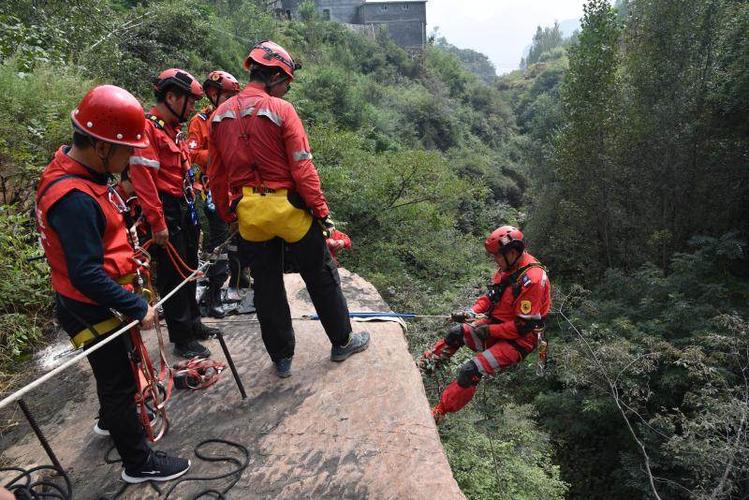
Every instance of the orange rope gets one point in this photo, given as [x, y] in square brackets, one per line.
[179, 264]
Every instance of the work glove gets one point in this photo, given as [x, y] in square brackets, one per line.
[482, 332]
[327, 225]
[463, 316]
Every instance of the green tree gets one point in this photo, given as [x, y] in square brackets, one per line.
[585, 225]
[544, 41]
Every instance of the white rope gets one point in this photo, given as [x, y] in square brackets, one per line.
[106, 340]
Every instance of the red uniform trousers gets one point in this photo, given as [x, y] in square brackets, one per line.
[492, 356]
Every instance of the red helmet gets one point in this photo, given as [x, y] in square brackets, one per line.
[111, 114]
[221, 80]
[179, 78]
[503, 238]
[267, 53]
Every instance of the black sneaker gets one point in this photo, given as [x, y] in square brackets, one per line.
[357, 342]
[158, 467]
[205, 332]
[192, 349]
[283, 367]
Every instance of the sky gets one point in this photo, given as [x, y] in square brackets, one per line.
[501, 29]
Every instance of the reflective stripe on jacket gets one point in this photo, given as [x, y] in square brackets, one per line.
[197, 138]
[160, 167]
[257, 139]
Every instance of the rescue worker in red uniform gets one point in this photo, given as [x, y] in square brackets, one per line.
[160, 174]
[262, 176]
[218, 87]
[502, 327]
[86, 242]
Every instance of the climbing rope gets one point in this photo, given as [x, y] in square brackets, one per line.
[240, 465]
[196, 373]
[25, 487]
[185, 271]
[236, 474]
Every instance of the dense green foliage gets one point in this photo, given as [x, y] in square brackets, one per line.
[470, 60]
[622, 153]
[637, 201]
[651, 144]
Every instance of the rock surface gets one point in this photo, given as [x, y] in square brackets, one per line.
[358, 429]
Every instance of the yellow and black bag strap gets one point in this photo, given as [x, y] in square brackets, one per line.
[160, 124]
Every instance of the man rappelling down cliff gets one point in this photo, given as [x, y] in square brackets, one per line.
[503, 326]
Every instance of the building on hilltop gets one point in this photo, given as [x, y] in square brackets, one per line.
[405, 21]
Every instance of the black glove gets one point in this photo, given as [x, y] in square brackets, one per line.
[482, 332]
[327, 226]
[463, 316]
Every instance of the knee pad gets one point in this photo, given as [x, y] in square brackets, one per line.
[468, 374]
[454, 336]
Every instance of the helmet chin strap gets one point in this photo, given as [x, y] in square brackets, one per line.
[105, 159]
[515, 261]
[269, 85]
[180, 116]
[218, 98]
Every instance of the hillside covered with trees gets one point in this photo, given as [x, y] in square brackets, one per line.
[623, 154]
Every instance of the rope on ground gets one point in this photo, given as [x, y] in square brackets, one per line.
[236, 474]
[40, 488]
[240, 464]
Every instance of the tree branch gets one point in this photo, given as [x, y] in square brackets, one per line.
[615, 396]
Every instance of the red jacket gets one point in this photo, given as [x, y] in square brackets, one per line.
[257, 139]
[532, 302]
[160, 167]
[118, 253]
[197, 138]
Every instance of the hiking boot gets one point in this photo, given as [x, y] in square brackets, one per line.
[205, 332]
[100, 428]
[192, 349]
[244, 280]
[283, 367]
[213, 304]
[357, 342]
[158, 467]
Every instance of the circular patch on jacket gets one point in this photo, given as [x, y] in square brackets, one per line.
[525, 306]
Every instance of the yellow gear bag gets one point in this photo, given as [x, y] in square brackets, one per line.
[264, 215]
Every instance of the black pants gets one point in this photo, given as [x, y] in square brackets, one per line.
[115, 386]
[215, 232]
[319, 273]
[181, 310]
